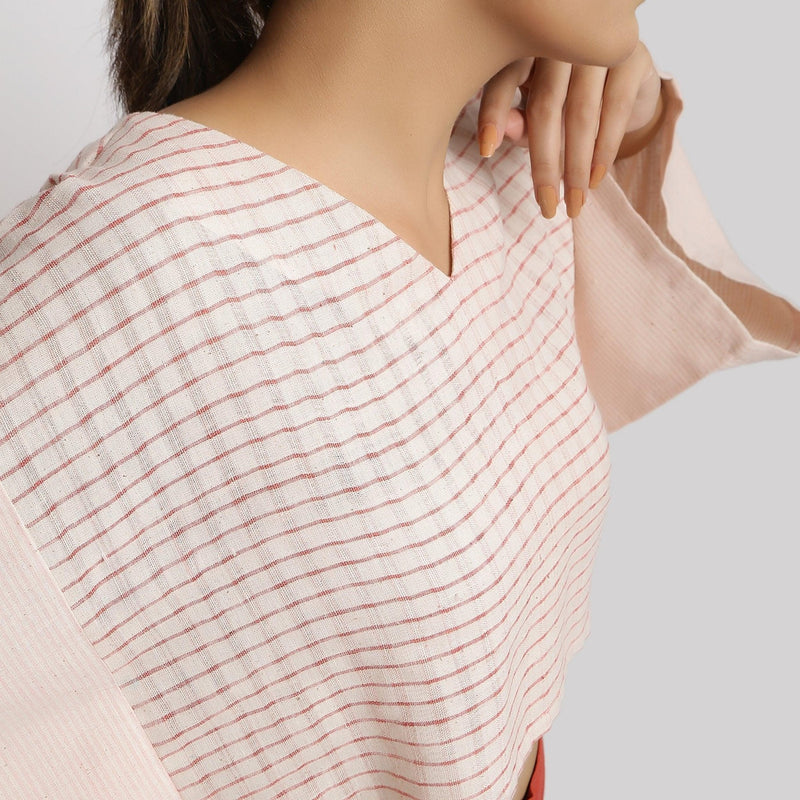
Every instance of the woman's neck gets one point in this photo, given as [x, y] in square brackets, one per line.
[371, 89]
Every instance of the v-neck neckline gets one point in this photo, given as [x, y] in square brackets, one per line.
[450, 186]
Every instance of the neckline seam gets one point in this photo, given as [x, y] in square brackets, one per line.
[451, 184]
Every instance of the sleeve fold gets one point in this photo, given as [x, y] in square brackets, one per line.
[661, 298]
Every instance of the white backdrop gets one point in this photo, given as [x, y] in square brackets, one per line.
[687, 686]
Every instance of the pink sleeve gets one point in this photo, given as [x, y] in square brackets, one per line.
[66, 730]
[661, 299]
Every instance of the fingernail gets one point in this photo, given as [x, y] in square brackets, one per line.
[548, 201]
[488, 139]
[597, 175]
[574, 201]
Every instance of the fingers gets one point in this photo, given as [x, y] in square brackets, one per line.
[581, 118]
[618, 99]
[549, 85]
[574, 121]
[497, 100]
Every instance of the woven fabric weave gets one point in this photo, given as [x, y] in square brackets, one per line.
[326, 515]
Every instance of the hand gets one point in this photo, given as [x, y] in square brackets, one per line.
[575, 120]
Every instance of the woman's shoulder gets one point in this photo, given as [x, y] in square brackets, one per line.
[125, 169]
[154, 184]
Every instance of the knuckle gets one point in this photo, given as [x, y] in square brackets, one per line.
[544, 105]
[544, 173]
[492, 113]
[577, 177]
[581, 113]
[543, 165]
[617, 105]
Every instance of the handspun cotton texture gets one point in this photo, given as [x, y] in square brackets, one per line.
[285, 511]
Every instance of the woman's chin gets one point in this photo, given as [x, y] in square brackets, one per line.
[611, 52]
[598, 45]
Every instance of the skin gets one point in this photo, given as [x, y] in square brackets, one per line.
[575, 119]
[362, 94]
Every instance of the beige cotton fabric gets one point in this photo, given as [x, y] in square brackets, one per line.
[287, 512]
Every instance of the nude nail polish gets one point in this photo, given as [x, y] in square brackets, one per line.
[488, 139]
[598, 171]
[548, 201]
[574, 201]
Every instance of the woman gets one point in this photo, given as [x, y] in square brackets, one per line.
[295, 422]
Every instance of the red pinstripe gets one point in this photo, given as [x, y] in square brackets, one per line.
[500, 618]
[294, 374]
[369, 455]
